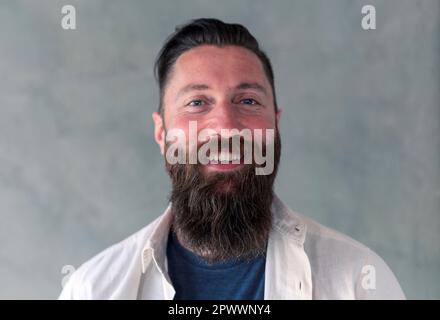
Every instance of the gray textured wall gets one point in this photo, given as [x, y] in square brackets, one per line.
[79, 169]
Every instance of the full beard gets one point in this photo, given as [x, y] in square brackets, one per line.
[223, 215]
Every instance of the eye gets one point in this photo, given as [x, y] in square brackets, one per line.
[249, 101]
[196, 103]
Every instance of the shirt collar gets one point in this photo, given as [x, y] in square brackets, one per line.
[155, 247]
[288, 273]
[287, 222]
[284, 219]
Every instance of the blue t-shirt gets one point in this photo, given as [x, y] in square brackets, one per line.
[194, 279]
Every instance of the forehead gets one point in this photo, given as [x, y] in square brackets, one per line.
[218, 67]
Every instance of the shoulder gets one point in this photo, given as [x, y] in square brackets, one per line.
[354, 270]
[113, 270]
[341, 267]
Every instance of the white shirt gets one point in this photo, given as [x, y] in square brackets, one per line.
[305, 260]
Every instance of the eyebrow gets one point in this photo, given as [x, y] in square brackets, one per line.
[201, 86]
[192, 87]
[252, 85]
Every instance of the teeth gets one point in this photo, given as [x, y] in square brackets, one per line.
[224, 157]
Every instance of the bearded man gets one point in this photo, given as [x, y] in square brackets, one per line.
[225, 234]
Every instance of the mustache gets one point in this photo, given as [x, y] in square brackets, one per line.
[238, 149]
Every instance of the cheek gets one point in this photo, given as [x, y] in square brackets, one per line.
[180, 121]
[267, 122]
[179, 128]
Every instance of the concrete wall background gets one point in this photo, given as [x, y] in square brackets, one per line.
[79, 169]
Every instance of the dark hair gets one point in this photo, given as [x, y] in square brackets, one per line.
[206, 32]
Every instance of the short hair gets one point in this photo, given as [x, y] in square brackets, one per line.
[206, 31]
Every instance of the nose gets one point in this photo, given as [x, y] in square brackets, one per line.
[224, 116]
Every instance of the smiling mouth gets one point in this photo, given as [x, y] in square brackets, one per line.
[225, 161]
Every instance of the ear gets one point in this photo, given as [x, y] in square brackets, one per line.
[159, 131]
[278, 116]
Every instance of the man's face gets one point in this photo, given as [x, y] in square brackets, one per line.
[219, 88]
[221, 209]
